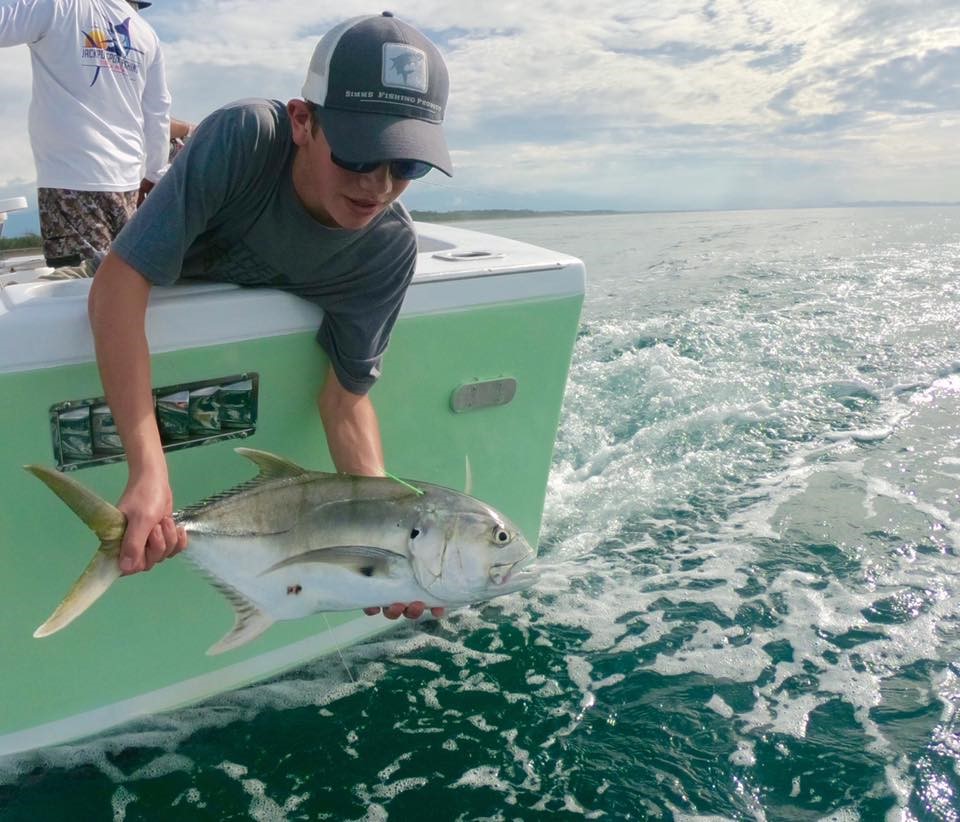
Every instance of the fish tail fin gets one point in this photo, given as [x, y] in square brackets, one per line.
[108, 523]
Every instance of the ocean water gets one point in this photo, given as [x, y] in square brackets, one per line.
[750, 608]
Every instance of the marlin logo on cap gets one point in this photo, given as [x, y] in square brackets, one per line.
[404, 67]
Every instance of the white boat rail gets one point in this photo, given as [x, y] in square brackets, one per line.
[8, 205]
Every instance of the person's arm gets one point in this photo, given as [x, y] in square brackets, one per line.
[117, 307]
[180, 129]
[352, 429]
[353, 437]
[155, 104]
[25, 21]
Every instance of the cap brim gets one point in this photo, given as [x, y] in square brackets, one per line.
[360, 138]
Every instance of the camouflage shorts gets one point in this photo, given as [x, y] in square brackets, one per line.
[80, 225]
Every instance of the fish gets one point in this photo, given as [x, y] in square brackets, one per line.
[292, 542]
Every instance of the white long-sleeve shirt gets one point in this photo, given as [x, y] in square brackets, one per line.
[100, 109]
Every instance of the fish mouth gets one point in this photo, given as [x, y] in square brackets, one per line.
[516, 576]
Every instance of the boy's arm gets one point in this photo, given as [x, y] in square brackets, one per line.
[117, 307]
[353, 437]
[352, 429]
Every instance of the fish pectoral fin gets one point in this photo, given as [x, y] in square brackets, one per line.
[272, 466]
[362, 559]
[249, 620]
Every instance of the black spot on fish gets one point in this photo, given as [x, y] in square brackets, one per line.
[293, 590]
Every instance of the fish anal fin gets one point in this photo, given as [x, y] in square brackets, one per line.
[249, 620]
[246, 629]
[272, 466]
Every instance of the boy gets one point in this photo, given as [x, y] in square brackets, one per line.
[301, 197]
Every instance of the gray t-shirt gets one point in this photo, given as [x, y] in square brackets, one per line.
[227, 211]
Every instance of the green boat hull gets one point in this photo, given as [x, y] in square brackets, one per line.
[142, 647]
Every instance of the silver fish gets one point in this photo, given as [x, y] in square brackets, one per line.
[293, 542]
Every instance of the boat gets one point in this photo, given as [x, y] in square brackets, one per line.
[476, 370]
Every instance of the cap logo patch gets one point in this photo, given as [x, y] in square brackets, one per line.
[404, 67]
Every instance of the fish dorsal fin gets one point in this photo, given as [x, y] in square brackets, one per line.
[271, 466]
[249, 620]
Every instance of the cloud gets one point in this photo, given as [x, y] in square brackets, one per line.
[911, 84]
[696, 103]
[15, 84]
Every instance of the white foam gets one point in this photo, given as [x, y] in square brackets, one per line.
[484, 777]
[392, 790]
[191, 796]
[745, 755]
[120, 801]
[717, 704]
[262, 807]
[859, 435]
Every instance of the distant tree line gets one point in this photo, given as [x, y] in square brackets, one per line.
[495, 214]
[34, 240]
[23, 241]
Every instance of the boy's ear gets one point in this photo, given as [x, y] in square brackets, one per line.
[301, 119]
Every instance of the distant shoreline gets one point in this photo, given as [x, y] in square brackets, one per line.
[509, 213]
[30, 238]
[503, 214]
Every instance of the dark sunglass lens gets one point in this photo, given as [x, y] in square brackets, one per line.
[409, 169]
[356, 168]
[400, 169]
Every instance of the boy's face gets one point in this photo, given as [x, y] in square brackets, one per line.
[334, 196]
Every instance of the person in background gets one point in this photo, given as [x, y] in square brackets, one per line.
[99, 117]
[179, 134]
[299, 196]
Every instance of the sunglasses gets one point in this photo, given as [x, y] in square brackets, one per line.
[399, 169]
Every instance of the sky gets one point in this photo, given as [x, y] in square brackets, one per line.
[611, 104]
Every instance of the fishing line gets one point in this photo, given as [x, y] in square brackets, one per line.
[418, 491]
[339, 651]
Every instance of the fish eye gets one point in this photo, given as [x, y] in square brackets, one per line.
[414, 533]
[501, 536]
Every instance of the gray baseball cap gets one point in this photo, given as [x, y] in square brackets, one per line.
[381, 90]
